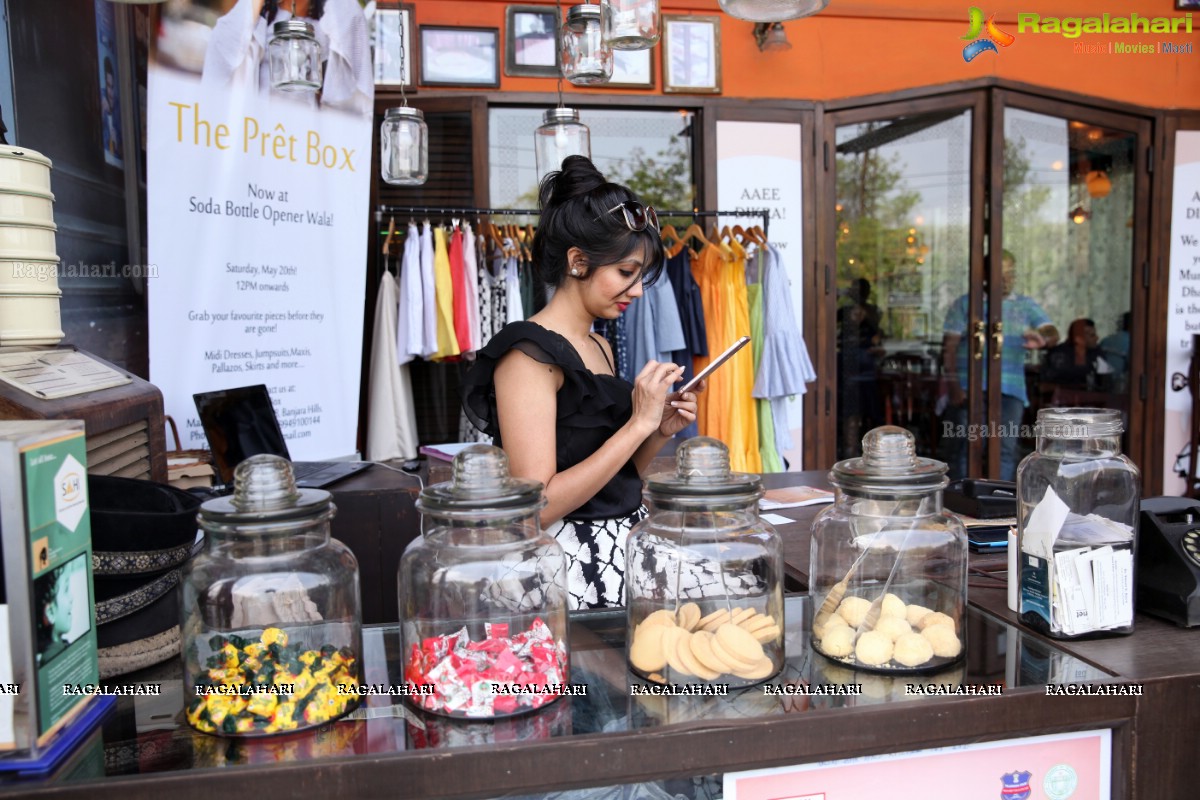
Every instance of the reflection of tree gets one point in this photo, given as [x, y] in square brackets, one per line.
[1037, 242]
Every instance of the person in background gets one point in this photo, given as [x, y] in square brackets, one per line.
[1026, 327]
[860, 341]
[1077, 363]
[1115, 349]
[545, 388]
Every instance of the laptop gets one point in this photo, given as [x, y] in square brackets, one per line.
[241, 422]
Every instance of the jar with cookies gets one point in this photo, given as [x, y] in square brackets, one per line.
[483, 596]
[888, 573]
[703, 576]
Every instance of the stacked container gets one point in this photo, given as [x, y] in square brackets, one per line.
[29, 293]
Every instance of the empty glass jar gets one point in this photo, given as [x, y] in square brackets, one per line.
[561, 134]
[704, 576]
[294, 57]
[404, 147]
[631, 24]
[772, 10]
[1077, 516]
[483, 595]
[888, 574]
[586, 59]
[272, 631]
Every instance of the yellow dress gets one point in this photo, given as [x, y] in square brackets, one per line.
[444, 291]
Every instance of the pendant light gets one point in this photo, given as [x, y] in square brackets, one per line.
[294, 57]
[586, 58]
[561, 134]
[772, 10]
[403, 139]
[631, 24]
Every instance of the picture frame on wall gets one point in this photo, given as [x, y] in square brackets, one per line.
[531, 42]
[691, 59]
[456, 56]
[633, 69]
[393, 25]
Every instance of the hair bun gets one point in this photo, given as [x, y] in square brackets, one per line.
[577, 177]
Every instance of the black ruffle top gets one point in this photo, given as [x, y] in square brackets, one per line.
[591, 408]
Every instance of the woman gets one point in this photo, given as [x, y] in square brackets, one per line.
[546, 390]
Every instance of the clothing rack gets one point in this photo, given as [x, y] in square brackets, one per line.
[526, 212]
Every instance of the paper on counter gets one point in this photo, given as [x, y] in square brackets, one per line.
[1044, 524]
[793, 496]
[776, 519]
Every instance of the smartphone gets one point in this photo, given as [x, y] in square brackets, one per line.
[716, 362]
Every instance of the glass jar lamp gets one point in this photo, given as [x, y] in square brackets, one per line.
[888, 570]
[272, 628]
[704, 576]
[772, 10]
[586, 58]
[631, 24]
[561, 134]
[1077, 515]
[294, 57]
[483, 596]
[404, 147]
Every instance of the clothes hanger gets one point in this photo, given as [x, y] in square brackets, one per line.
[670, 237]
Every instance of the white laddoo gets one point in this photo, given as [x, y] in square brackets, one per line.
[936, 618]
[873, 648]
[854, 610]
[915, 613]
[821, 627]
[892, 606]
[838, 642]
[945, 643]
[893, 627]
[912, 650]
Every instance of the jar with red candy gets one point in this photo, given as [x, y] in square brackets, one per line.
[483, 596]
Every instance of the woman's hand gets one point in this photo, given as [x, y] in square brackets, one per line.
[679, 412]
[650, 390]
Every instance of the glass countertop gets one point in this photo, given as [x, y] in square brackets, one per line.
[146, 734]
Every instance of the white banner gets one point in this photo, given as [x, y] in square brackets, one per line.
[258, 216]
[1183, 310]
[759, 167]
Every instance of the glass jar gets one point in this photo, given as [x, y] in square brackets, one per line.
[272, 631]
[888, 573]
[483, 595]
[404, 147]
[772, 10]
[631, 24]
[294, 57]
[1077, 516]
[586, 58]
[704, 576]
[561, 134]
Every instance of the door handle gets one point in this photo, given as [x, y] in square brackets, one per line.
[997, 338]
[980, 340]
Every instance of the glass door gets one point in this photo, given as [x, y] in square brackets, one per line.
[904, 195]
[1068, 222]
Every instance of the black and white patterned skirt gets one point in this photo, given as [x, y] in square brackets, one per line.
[595, 551]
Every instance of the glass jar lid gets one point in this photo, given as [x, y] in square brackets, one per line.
[889, 463]
[294, 27]
[1079, 423]
[560, 114]
[579, 16]
[404, 111]
[480, 482]
[265, 492]
[702, 471]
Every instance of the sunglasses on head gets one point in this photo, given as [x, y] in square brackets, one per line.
[637, 216]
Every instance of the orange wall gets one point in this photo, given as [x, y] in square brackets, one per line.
[870, 46]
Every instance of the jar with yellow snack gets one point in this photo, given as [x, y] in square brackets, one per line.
[703, 576]
[271, 621]
[888, 573]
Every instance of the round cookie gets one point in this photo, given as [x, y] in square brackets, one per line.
[893, 627]
[670, 646]
[701, 644]
[687, 616]
[714, 620]
[646, 652]
[854, 610]
[744, 650]
[758, 622]
[912, 650]
[937, 618]
[893, 606]
[945, 643]
[838, 641]
[873, 648]
[685, 656]
[762, 669]
[661, 617]
[915, 613]
[741, 615]
[767, 634]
